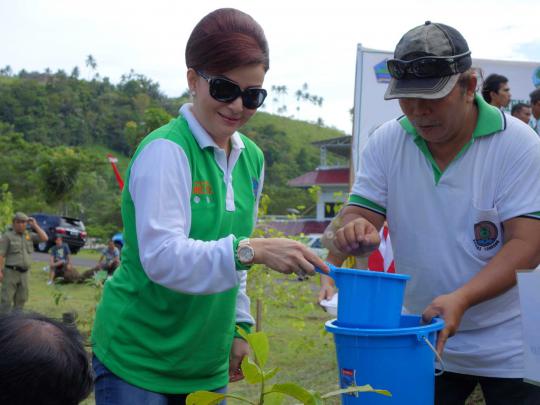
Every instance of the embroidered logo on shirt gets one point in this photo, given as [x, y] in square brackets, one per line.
[202, 187]
[485, 235]
[202, 192]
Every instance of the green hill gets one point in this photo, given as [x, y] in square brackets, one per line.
[57, 129]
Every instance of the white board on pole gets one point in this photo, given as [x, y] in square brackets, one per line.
[529, 299]
[371, 110]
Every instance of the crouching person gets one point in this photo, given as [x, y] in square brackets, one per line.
[109, 260]
[60, 263]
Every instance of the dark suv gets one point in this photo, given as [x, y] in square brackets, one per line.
[71, 230]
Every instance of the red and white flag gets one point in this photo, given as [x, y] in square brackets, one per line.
[383, 258]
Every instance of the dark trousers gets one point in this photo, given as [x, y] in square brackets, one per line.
[454, 389]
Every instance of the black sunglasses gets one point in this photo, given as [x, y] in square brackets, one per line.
[226, 91]
[428, 66]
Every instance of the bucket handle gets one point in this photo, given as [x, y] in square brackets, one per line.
[332, 272]
[437, 355]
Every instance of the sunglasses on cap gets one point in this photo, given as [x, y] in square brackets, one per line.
[226, 91]
[427, 66]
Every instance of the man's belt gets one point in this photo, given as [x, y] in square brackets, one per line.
[16, 268]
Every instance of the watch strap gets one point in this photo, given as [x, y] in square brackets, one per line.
[239, 264]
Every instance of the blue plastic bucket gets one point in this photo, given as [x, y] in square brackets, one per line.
[398, 360]
[368, 299]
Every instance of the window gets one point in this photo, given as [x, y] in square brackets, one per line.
[331, 209]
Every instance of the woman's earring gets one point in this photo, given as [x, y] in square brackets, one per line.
[192, 93]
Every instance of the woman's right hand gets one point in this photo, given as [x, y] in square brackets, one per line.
[286, 256]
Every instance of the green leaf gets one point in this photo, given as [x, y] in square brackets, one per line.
[318, 398]
[259, 344]
[252, 373]
[268, 375]
[363, 388]
[297, 392]
[273, 398]
[204, 398]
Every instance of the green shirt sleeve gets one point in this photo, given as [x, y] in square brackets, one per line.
[246, 327]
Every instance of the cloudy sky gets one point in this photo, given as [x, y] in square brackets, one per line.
[311, 41]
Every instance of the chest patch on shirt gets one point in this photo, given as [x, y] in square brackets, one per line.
[485, 235]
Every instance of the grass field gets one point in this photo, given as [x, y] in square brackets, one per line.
[299, 346]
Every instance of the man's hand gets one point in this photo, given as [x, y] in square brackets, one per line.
[357, 237]
[32, 222]
[328, 288]
[239, 350]
[451, 308]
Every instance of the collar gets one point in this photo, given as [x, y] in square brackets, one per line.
[201, 136]
[490, 120]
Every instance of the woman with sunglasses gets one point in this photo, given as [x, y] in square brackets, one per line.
[167, 321]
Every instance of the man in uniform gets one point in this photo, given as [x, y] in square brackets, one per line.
[16, 247]
[457, 181]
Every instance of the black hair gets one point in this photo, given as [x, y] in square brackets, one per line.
[518, 106]
[535, 96]
[42, 361]
[492, 83]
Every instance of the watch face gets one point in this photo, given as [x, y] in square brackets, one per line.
[245, 254]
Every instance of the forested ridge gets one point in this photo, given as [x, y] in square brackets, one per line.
[57, 128]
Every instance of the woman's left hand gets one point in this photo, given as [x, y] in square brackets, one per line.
[239, 349]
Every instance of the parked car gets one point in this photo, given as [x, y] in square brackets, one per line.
[313, 241]
[71, 230]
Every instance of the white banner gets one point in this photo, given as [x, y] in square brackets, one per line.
[371, 110]
[529, 286]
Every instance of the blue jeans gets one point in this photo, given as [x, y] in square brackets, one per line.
[112, 390]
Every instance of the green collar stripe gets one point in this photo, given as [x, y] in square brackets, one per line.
[365, 203]
[535, 215]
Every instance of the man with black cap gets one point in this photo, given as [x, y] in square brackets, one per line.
[16, 247]
[457, 181]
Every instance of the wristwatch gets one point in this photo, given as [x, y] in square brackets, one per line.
[245, 253]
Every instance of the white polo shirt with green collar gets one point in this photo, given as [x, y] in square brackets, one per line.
[447, 225]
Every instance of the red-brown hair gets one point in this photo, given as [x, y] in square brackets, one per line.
[226, 39]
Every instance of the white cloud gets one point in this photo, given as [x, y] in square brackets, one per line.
[311, 42]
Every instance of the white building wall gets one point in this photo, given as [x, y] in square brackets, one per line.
[330, 194]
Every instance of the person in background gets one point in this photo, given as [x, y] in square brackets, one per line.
[458, 184]
[60, 262]
[16, 247]
[496, 91]
[43, 361]
[522, 111]
[109, 260]
[535, 110]
[165, 326]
